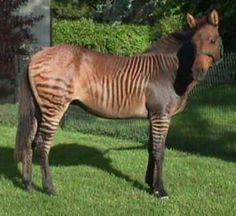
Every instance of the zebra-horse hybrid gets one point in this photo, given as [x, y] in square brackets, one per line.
[153, 85]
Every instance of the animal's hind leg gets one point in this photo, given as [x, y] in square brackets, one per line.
[27, 159]
[44, 139]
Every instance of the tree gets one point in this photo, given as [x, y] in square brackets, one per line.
[75, 9]
[136, 11]
[14, 34]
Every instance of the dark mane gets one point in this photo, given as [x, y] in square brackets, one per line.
[170, 44]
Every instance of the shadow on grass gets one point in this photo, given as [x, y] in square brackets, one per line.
[74, 154]
[194, 134]
[8, 168]
[206, 133]
[222, 147]
[65, 155]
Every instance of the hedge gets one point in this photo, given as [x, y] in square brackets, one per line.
[116, 39]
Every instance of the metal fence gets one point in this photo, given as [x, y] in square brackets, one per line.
[224, 72]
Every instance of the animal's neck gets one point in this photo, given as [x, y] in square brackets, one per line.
[182, 83]
[184, 77]
[176, 44]
[170, 44]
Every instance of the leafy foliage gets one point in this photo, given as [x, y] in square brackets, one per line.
[151, 12]
[169, 24]
[72, 9]
[15, 29]
[14, 34]
[116, 39]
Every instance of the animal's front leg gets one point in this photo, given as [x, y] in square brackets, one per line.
[159, 124]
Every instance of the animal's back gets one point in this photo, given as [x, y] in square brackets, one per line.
[111, 86]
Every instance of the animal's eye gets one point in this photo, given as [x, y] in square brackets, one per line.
[213, 41]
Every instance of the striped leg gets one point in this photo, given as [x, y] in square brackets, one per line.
[44, 142]
[45, 137]
[27, 159]
[159, 125]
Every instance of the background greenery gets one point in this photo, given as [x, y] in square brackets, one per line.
[115, 39]
[157, 13]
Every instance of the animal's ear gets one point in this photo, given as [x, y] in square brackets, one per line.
[213, 18]
[191, 20]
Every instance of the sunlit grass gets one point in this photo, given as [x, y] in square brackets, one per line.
[98, 175]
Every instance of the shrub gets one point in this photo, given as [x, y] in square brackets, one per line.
[167, 25]
[116, 39]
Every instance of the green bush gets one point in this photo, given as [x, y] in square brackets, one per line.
[116, 39]
[167, 25]
[71, 9]
[169, 18]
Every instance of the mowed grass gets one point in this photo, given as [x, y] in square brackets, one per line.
[97, 175]
[101, 170]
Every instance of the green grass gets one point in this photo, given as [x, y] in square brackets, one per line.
[100, 169]
[98, 175]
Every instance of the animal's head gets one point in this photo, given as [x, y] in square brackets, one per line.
[207, 43]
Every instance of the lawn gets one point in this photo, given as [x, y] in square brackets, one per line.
[98, 175]
[100, 170]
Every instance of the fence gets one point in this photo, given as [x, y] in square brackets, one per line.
[225, 72]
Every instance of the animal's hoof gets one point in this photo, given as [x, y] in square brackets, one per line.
[28, 186]
[164, 197]
[50, 191]
[161, 194]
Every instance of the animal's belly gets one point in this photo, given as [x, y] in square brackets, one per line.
[136, 109]
[113, 101]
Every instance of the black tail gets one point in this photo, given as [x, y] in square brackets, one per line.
[27, 117]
